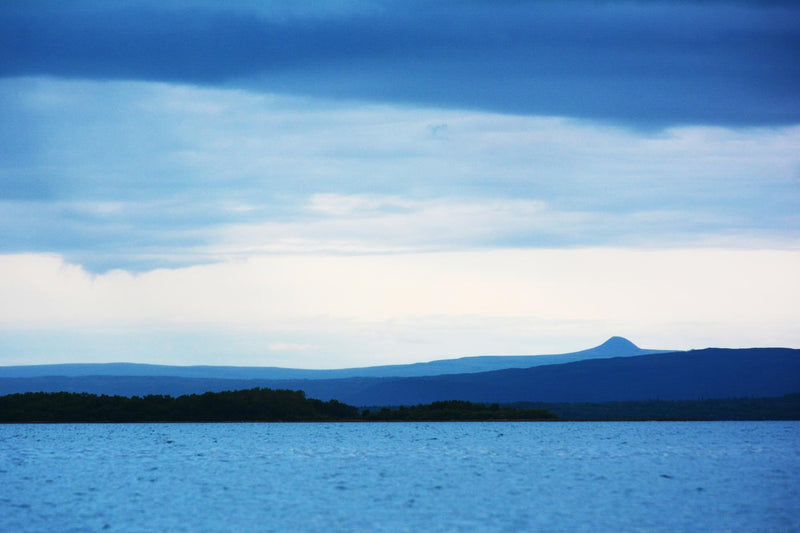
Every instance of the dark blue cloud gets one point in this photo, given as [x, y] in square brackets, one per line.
[644, 63]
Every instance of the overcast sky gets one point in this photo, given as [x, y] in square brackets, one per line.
[344, 183]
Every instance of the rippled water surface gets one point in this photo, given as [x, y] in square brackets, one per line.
[646, 476]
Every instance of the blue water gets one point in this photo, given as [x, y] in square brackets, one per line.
[645, 476]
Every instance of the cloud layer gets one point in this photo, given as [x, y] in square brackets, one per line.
[643, 63]
[137, 175]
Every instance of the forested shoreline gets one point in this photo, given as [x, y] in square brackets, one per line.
[251, 405]
[269, 405]
[786, 407]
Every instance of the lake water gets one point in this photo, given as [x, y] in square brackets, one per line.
[571, 477]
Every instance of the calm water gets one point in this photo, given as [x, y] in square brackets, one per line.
[658, 476]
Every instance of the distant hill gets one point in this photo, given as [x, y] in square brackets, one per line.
[613, 347]
[697, 374]
[693, 375]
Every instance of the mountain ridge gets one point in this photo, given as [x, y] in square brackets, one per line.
[613, 347]
[697, 374]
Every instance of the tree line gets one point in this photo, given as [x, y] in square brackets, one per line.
[251, 405]
[268, 405]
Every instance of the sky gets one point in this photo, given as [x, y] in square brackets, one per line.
[344, 183]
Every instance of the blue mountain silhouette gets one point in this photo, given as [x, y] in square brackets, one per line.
[613, 347]
[599, 376]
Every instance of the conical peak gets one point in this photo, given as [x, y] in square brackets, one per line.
[617, 346]
[618, 342]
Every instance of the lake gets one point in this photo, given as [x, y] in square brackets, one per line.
[496, 476]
